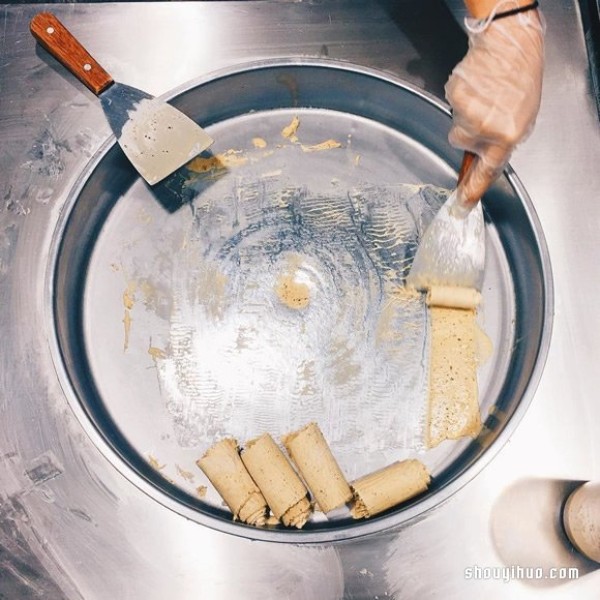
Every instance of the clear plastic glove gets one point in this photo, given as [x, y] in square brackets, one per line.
[495, 94]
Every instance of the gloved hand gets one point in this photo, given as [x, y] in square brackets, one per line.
[495, 94]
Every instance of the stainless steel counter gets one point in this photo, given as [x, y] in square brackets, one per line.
[73, 527]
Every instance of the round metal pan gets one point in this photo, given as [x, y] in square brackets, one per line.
[172, 329]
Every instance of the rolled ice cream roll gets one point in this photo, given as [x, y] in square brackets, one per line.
[453, 297]
[224, 468]
[310, 452]
[283, 490]
[388, 487]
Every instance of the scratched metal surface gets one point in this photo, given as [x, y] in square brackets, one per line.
[72, 527]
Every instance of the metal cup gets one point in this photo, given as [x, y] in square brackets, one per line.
[581, 518]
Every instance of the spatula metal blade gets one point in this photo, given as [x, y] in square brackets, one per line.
[452, 250]
[156, 137]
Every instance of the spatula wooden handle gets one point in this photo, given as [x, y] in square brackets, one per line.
[467, 161]
[59, 42]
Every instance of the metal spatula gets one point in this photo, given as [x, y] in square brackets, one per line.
[452, 251]
[155, 136]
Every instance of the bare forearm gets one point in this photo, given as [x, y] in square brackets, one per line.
[480, 9]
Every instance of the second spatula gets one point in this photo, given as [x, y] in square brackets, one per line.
[156, 137]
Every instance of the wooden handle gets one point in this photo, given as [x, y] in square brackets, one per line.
[57, 40]
[467, 161]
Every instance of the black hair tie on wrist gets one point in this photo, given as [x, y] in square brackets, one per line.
[516, 11]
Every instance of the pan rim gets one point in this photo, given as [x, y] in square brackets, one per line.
[387, 522]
